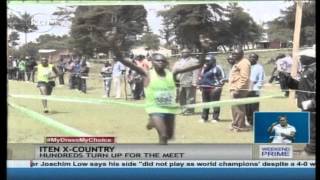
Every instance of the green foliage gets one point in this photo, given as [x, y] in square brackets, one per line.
[48, 41]
[282, 27]
[226, 27]
[93, 26]
[151, 41]
[242, 27]
[13, 37]
[30, 49]
[22, 24]
[280, 33]
[189, 21]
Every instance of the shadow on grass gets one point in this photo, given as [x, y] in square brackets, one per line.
[57, 112]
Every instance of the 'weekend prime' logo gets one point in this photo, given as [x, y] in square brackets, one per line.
[275, 151]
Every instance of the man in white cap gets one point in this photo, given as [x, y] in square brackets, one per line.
[306, 96]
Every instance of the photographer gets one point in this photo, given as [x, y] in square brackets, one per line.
[306, 96]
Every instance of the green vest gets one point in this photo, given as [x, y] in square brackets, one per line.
[44, 73]
[22, 65]
[160, 94]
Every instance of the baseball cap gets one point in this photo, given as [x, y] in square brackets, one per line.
[309, 52]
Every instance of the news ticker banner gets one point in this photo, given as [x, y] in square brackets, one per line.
[129, 151]
[161, 164]
[109, 151]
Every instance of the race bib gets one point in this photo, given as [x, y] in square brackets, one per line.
[164, 98]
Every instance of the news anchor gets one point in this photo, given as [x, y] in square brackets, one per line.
[283, 131]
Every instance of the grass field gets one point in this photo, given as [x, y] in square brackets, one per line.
[126, 123]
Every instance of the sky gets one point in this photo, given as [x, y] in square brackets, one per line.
[260, 11]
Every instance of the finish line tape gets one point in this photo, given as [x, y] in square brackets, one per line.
[48, 121]
[232, 102]
[229, 102]
[75, 100]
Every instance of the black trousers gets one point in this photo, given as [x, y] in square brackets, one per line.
[32, 75]
[11, 73]
[311, 147]
[187, 95]
[72, 81]
[283, 80]
[28, 74]
[251, 108]
[81, 84]
[209, 95]
[21, 75]
[138, 90]
[61, 79]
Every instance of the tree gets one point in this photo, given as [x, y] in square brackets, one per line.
[242, 27]
[92, 27]
[277, 32]
[151, 41]
[22, 24]
[64, 13]
[30, 49]
[13, 38]
[286, 21]
[48, 41]
[187, 22]
[167, 32]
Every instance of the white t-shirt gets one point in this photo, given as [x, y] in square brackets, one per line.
[284, 64]
[278, 129]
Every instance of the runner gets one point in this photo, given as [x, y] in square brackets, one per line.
[160, 92]
[45, 80]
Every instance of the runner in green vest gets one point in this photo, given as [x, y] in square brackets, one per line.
[22, 70]
[45, 77]
[160, 95]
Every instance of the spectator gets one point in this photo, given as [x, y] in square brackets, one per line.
[74, 69]
[145, 64]
[14, 68]
[274, 74]
[69, 68]
[187, 80]
[106, 73]
[84, 73]
[117, 72]
[62, 69]
[231, 62]
[135, 80]
[211, 81]
[256, 82]
[21, 69]
[29, 69]
[33, 64]
[239, 81]
[306, 94]
[10, 68]
[284, 64]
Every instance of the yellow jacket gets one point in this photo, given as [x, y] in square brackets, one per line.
[240, 75]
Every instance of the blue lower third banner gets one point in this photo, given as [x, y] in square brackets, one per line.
[163, 170]
[162, 173]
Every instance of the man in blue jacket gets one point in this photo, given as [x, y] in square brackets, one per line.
[211, 80]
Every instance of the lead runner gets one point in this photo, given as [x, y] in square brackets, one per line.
[160, 92]
[46, 80]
